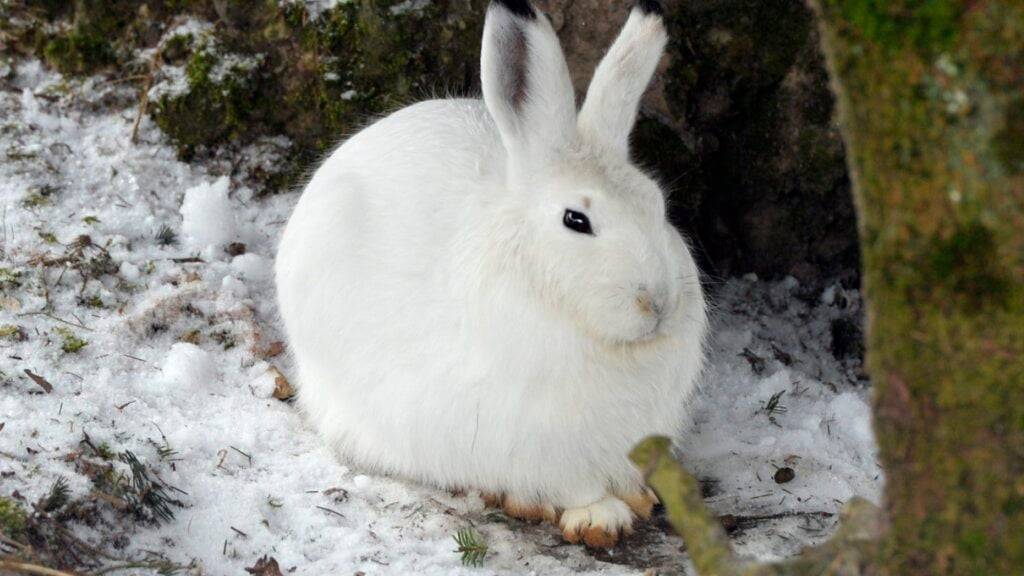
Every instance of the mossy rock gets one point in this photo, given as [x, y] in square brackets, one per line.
[320, 78]
[217, 106]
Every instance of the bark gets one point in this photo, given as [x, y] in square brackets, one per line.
[931, 107]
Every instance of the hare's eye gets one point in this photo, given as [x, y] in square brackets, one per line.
[577, 222]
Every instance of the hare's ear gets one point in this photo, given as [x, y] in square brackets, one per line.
[610, 109]
[525, 81]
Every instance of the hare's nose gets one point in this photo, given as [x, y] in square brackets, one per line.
[649, 304]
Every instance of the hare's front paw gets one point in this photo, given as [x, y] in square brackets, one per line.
[598, 525]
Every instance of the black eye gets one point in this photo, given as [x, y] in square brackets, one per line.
[577, 222]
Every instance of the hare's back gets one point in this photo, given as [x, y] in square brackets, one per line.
[373, 232]
[409, 177]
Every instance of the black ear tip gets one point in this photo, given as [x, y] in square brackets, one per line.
[650, 7]
[520, 8]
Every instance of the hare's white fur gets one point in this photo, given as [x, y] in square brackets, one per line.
[447, 327]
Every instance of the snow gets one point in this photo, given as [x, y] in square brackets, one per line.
[187, 369]
[180, 354]
[317, 7]
[207, 217]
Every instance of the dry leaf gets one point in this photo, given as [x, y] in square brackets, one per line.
[265, 566]
[42, 382]
[274, 349]
[282, 387]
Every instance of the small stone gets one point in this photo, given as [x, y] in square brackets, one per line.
[235, 249]
[783, 475]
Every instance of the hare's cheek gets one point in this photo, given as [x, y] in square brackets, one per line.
[616, 316]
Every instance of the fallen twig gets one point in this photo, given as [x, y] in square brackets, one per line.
[26, 568]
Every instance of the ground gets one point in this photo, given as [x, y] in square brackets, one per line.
[140, 356]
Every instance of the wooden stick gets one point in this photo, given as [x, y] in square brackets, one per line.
[26, 568]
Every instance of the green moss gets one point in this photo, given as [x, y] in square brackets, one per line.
[928, 26]
[967, 264]
[78, 52]
[104, 451]
[9, 279]
[12, 332]
[13, 518]
[70, 343]
[92, 302]
[36, 199]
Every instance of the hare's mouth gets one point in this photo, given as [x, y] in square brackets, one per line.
[654, 333]
[652, 336]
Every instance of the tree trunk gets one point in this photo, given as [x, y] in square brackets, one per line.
[931, 102]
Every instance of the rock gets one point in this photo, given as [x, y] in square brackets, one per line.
[739, 125]
[784, 475]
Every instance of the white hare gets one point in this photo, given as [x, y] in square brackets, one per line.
[487, 294]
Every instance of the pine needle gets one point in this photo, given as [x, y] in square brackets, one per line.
[773, 407]
[59, 495]
[148, 492]
[471, 546]
[166, 236]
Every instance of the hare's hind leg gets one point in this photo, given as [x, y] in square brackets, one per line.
[598, 525]
[521, 509]
[529, 511]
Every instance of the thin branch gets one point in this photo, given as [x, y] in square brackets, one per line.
[679, 492]
[144, 99]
